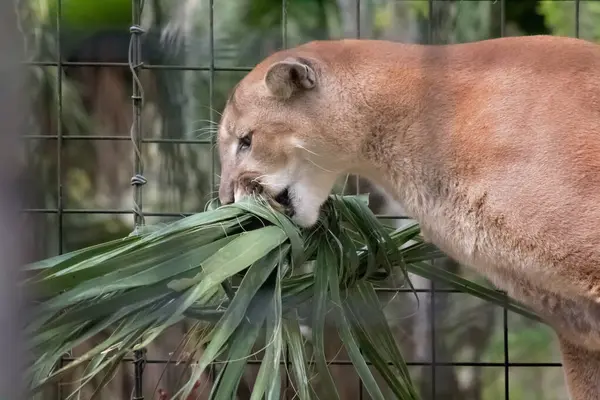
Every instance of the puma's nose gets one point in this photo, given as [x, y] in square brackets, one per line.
[226, 193]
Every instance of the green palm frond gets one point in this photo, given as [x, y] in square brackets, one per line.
[140, 285]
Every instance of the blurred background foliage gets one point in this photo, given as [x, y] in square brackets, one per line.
[90, 167]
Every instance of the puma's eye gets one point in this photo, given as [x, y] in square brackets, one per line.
[245, 142]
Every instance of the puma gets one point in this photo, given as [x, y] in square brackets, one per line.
[492, 146]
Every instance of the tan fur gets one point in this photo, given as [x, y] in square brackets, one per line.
[493, 146]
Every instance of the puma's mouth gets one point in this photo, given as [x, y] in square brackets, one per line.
[284, 200]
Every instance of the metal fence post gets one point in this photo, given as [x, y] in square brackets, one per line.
[138, 179]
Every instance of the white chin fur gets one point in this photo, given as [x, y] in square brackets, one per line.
[307, 205]
[305, 219]
[308, 190]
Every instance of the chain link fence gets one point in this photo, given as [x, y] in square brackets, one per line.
[440, 375]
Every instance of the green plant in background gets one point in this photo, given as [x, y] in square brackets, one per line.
[560, 17]
[77, 95]
[140, 285]
[88, 15]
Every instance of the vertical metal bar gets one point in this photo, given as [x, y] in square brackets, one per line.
[138, 180]
[577, 14]
[360, 383]
[502, 18]
[358, 33]
[59, 145]
[430, 40]
[211, 90]
[59, 130]
[433, 340]
[284, 43]
[284, 35]
[430, 25]
[358, 37]
[506, 359]
[136, 60]
[212, 369]
[505, 311]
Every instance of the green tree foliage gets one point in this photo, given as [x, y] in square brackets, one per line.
[524, 17]
[91, 15]
[560, 17]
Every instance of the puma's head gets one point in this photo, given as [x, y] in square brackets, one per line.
[285, 134]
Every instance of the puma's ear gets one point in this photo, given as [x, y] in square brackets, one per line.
[284, 78]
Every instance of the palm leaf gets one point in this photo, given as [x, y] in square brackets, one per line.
[138, 286]
[297, 354]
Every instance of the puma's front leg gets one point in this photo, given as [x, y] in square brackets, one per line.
[582, 371]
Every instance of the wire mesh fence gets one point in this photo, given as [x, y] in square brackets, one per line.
[138, 62]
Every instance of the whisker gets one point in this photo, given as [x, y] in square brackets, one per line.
[305, 149]
[315, 154]
[258, 180]
[345, 183]
[205, 120]
[212, 109]
[205, 129]
[318, 166]
[204, 135]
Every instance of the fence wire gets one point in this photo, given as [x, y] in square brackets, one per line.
[136, 65]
